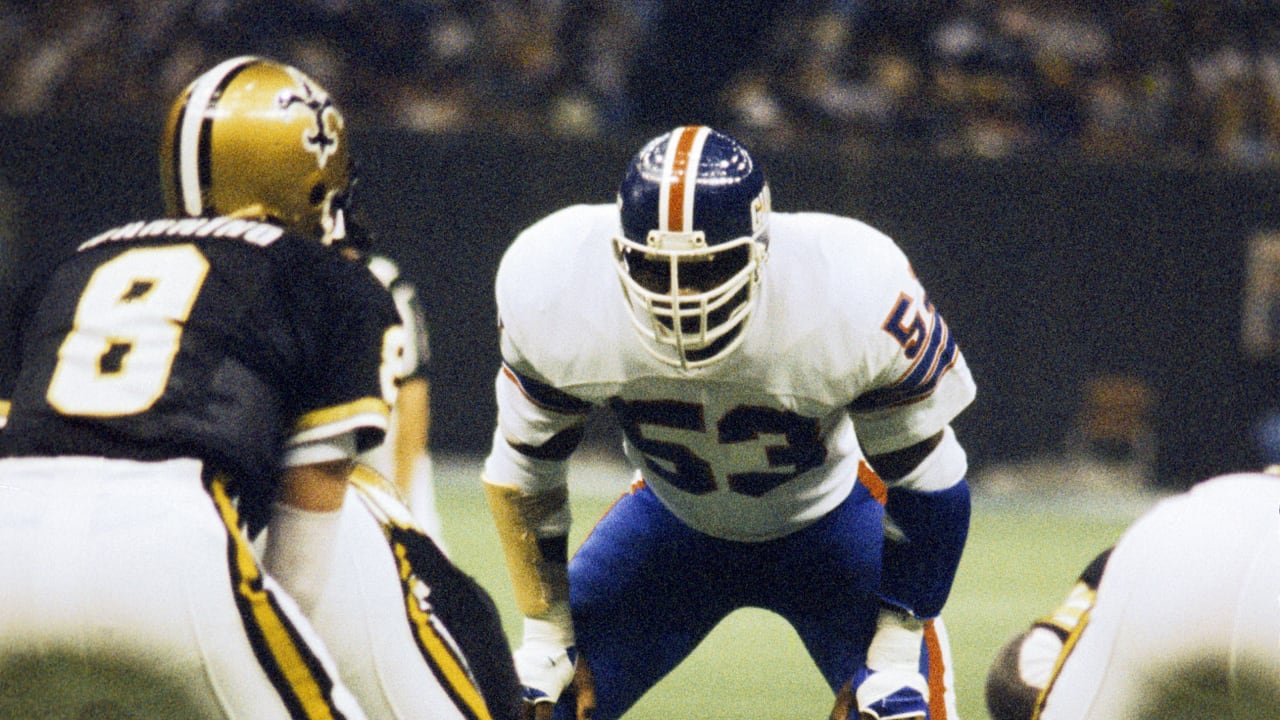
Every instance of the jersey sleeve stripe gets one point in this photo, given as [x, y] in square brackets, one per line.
[545, 396]
[362, 413]
[919, 382]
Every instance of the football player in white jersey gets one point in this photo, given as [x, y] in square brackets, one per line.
[1181, 618]
[786, 390]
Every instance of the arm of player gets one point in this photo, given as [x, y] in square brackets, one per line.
[927, 520]
[412, 420]
[928, 507]
[303, 529]
[536, 550]
[533, 528]
[526, 483]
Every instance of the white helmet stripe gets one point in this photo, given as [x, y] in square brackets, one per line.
[679, 178]
[193, 117]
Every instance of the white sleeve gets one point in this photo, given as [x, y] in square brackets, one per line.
[338, 447]
[942, 468]
[522, 421]
[299, 551]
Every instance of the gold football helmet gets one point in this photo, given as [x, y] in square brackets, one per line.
[254, 138]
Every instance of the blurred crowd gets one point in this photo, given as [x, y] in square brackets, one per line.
[1114, 79]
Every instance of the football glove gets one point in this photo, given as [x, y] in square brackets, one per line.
[544, 662]
[891, 694]
[890, 686]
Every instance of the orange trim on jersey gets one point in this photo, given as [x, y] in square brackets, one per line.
[937, 673]
[679, 176]
[870, 479]
[511, 375]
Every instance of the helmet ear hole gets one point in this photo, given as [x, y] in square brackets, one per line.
[317, 194]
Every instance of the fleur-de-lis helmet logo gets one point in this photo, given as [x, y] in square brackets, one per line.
[321, 141]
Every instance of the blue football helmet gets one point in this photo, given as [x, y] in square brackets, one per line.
[694, 208]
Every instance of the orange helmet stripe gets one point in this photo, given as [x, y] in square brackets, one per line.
[679, 178]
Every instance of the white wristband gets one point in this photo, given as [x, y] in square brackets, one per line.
[896, 645]
[555, 627]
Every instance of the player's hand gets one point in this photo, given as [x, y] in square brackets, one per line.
[891, 694]
[581, 691]
[545, 670]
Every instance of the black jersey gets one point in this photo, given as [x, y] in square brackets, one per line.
[219, 339]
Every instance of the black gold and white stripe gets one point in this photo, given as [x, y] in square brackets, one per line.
[298, 674]
[190, 172]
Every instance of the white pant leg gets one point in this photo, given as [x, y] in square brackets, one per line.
[126, 564]
[385, 655]
[1195, 579]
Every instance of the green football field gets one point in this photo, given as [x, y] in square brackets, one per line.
[1022, 556]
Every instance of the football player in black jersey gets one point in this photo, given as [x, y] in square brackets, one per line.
[411, 632]
[181, 383]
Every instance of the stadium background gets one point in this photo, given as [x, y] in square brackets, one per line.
[1064, 238]
[1049, 271]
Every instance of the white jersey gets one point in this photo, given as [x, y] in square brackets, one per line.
[1196, 580]
[843, 354]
